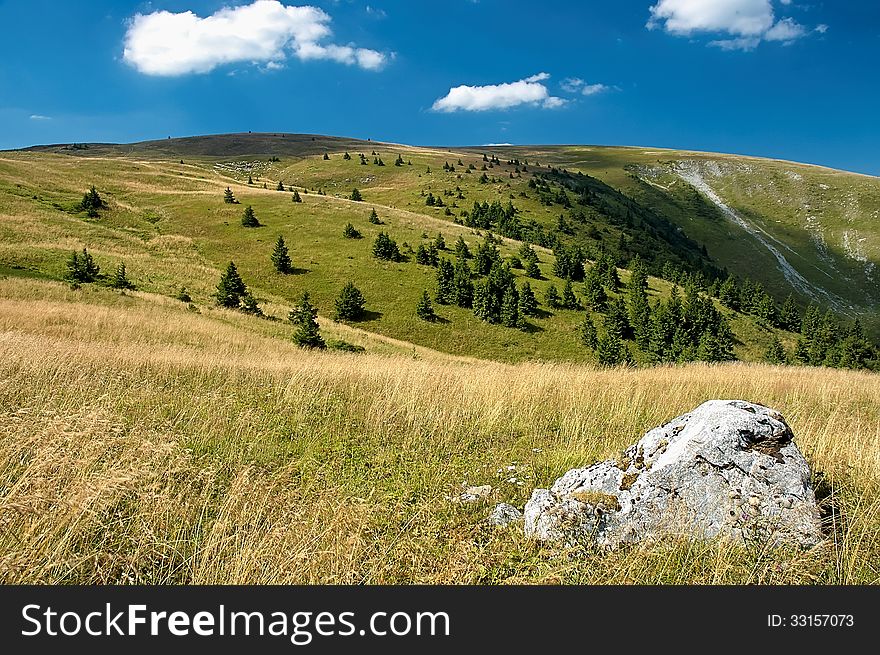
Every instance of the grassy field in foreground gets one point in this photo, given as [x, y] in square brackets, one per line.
[148, 444]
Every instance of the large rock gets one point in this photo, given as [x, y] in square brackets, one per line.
[727, 469]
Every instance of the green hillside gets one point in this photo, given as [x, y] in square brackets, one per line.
[166, 219]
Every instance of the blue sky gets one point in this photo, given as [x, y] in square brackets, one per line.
[794, 79]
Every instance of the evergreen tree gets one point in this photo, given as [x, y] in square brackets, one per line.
[802, 351]
[249, 305]
[296, 197]
[729, 294]
[350, 304]
[356, 195]
[304, 316]
[349, 232]
[440, 242]
[374, 217]
[532, 269]
[617, 319]
[81, 267]
[385, 248]
[528, 304]
[510, 316]
[91, 202]
[551, 297]
[461, 249]
[231, 288]
[775, 353]
[790, 315]
[326, 157]
[594, 292]
[445, 282]
[464, 286]
[120, 278]
[569, 299]
[249, 218]
[765, 309]
[611, 351]
[250, 180]
[424, 310]
[229, 197]
[486, 256]
[280, 186]
[587, 332]
[716, 346]
[281, 257]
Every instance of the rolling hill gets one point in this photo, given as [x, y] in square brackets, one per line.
[795, 229]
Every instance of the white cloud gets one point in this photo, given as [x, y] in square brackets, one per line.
[40, 117]
[572, 84]
[528, 91]
[577, 85]
[746, 23]
[785, 30]
[594, 89]
[165, 43]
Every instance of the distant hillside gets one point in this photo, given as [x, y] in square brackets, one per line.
[589, 213]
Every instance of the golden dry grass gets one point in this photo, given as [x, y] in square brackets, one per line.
[141, 443]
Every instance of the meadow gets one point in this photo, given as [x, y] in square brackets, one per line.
[145, 443]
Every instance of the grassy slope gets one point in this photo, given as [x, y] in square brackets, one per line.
[826, 222]
[143, 443]
[169, 224]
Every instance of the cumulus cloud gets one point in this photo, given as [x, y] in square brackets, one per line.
[266, 31]
[528, 91]
[746, 23]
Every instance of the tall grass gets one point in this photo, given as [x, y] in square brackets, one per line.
[135, 449]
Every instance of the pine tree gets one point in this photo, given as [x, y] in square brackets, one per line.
[91, 202]
[81, 267]
[281, 257]
[120, 278]
[528, 304]
[486, 256]
[296, 196]
[611, 351]
[350, 304]
[250, 180]
[482, 302]
[729, 293]
[551, 297]
[229, 197]
[775, 353]
[464, 286]
[231, 288]
[280, 186]
[356, 195]
[510, 308]
[424, 310]
[790, 315]
[440, 242]
[586, 331]
[569, 299]
[249, 305]
[349, 232]
[594, 292]
[385, 248]
[445, 282]
[617, 319]
[374, 217]
[308, 333]
[461, 249]
[249, 218]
